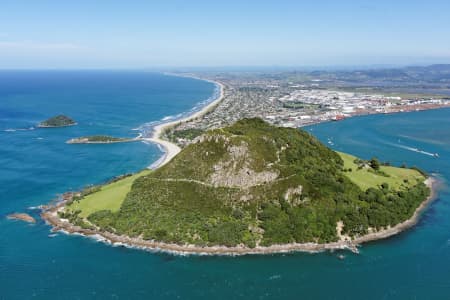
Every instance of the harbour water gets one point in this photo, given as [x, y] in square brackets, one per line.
[36, 165]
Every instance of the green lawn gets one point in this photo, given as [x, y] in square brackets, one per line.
[365, 179]
[110, 197]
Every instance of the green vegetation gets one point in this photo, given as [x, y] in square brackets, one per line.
[100, 139]
[57, 121]
[186, 134]
[103, 138]
[365, 177]
[255, 184]
[109, 196]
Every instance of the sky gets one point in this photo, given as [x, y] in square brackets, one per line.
[192, 33]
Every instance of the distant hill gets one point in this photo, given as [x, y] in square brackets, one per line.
[433, 80]
[255, 184]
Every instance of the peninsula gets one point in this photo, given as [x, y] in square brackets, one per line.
[57, 121]
[250, 188]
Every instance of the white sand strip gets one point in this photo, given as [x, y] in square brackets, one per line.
[171, 150]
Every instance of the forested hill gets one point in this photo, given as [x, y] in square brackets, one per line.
[255, 184]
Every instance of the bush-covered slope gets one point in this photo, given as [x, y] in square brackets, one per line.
[256, 184]
[57, 121]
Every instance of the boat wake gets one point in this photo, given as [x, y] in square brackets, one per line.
[412, 149]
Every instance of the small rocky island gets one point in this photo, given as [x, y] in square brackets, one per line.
[100, 139]
[22, 217]
[251, 188]
[57, 121]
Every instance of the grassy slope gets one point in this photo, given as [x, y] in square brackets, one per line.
[365, 179]
[165, 207]
[110, 196]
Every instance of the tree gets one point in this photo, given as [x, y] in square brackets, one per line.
[375, 164]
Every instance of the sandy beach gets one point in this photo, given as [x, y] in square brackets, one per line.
[170, 149]
[50, 214]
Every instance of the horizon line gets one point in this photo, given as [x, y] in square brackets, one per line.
[241, 67]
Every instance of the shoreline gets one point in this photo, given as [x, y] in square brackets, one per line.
[375, 114]
[49, 126]
[50, 215]
[431, 182]
[21, 217]
[86, 141]
[170, 149]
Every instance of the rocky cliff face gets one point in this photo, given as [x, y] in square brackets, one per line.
[235, 170]
[254, 184]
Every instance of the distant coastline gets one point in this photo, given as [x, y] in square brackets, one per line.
[170, 149]
[50, 212]
[379, 113]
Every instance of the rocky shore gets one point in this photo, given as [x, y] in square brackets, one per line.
[432, 184]
[86, 140]
[57, 121]
[50, 215]
[55, 126]
[21, 217]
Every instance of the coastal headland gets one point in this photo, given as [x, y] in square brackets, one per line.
[51, 213]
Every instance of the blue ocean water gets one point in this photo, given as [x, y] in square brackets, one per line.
[37, 164]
